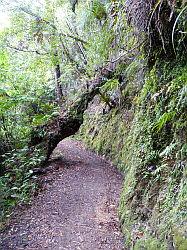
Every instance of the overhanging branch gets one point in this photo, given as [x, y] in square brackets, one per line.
[39, 18]
[69, 122]
[27, 51]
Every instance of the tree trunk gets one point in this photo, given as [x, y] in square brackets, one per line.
[59, 93]
[69, 122]
[73, 4]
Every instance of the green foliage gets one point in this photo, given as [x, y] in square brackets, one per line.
[164, 119]
[27, 99]
[98, 49]
[145, 136]
[98, 9]
[18, 182]
[149, 145]
[182, 24]
[110, 85]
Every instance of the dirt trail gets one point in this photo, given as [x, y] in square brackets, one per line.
[77, 210]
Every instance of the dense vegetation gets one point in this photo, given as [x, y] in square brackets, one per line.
[128, 60]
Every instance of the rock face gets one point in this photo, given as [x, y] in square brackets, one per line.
[153, 22]
[138, 13]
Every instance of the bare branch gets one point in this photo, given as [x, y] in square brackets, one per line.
[39, 18]
[79, 44]
[126, 53]
[28, 51]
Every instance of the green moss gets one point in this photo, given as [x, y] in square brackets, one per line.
[149, 244]
[98, 9]
[180, 242]
[147, 142]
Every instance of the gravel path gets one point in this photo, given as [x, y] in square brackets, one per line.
[77, 209]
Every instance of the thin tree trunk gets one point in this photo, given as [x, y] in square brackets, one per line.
[7, 134]
[73, 4]
[59, 93]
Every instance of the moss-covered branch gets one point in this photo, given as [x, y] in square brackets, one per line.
[69, 122]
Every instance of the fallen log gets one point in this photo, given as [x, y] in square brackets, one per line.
[69, 122]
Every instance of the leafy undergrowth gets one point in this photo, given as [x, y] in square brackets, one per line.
[18, 182]
[148, 143]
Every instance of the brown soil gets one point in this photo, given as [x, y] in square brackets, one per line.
[77, 209]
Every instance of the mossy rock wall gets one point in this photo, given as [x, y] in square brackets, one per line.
[148, 143]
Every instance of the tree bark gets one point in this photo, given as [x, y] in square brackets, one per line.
[59, 93]
[69, 122]
[73, 4]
